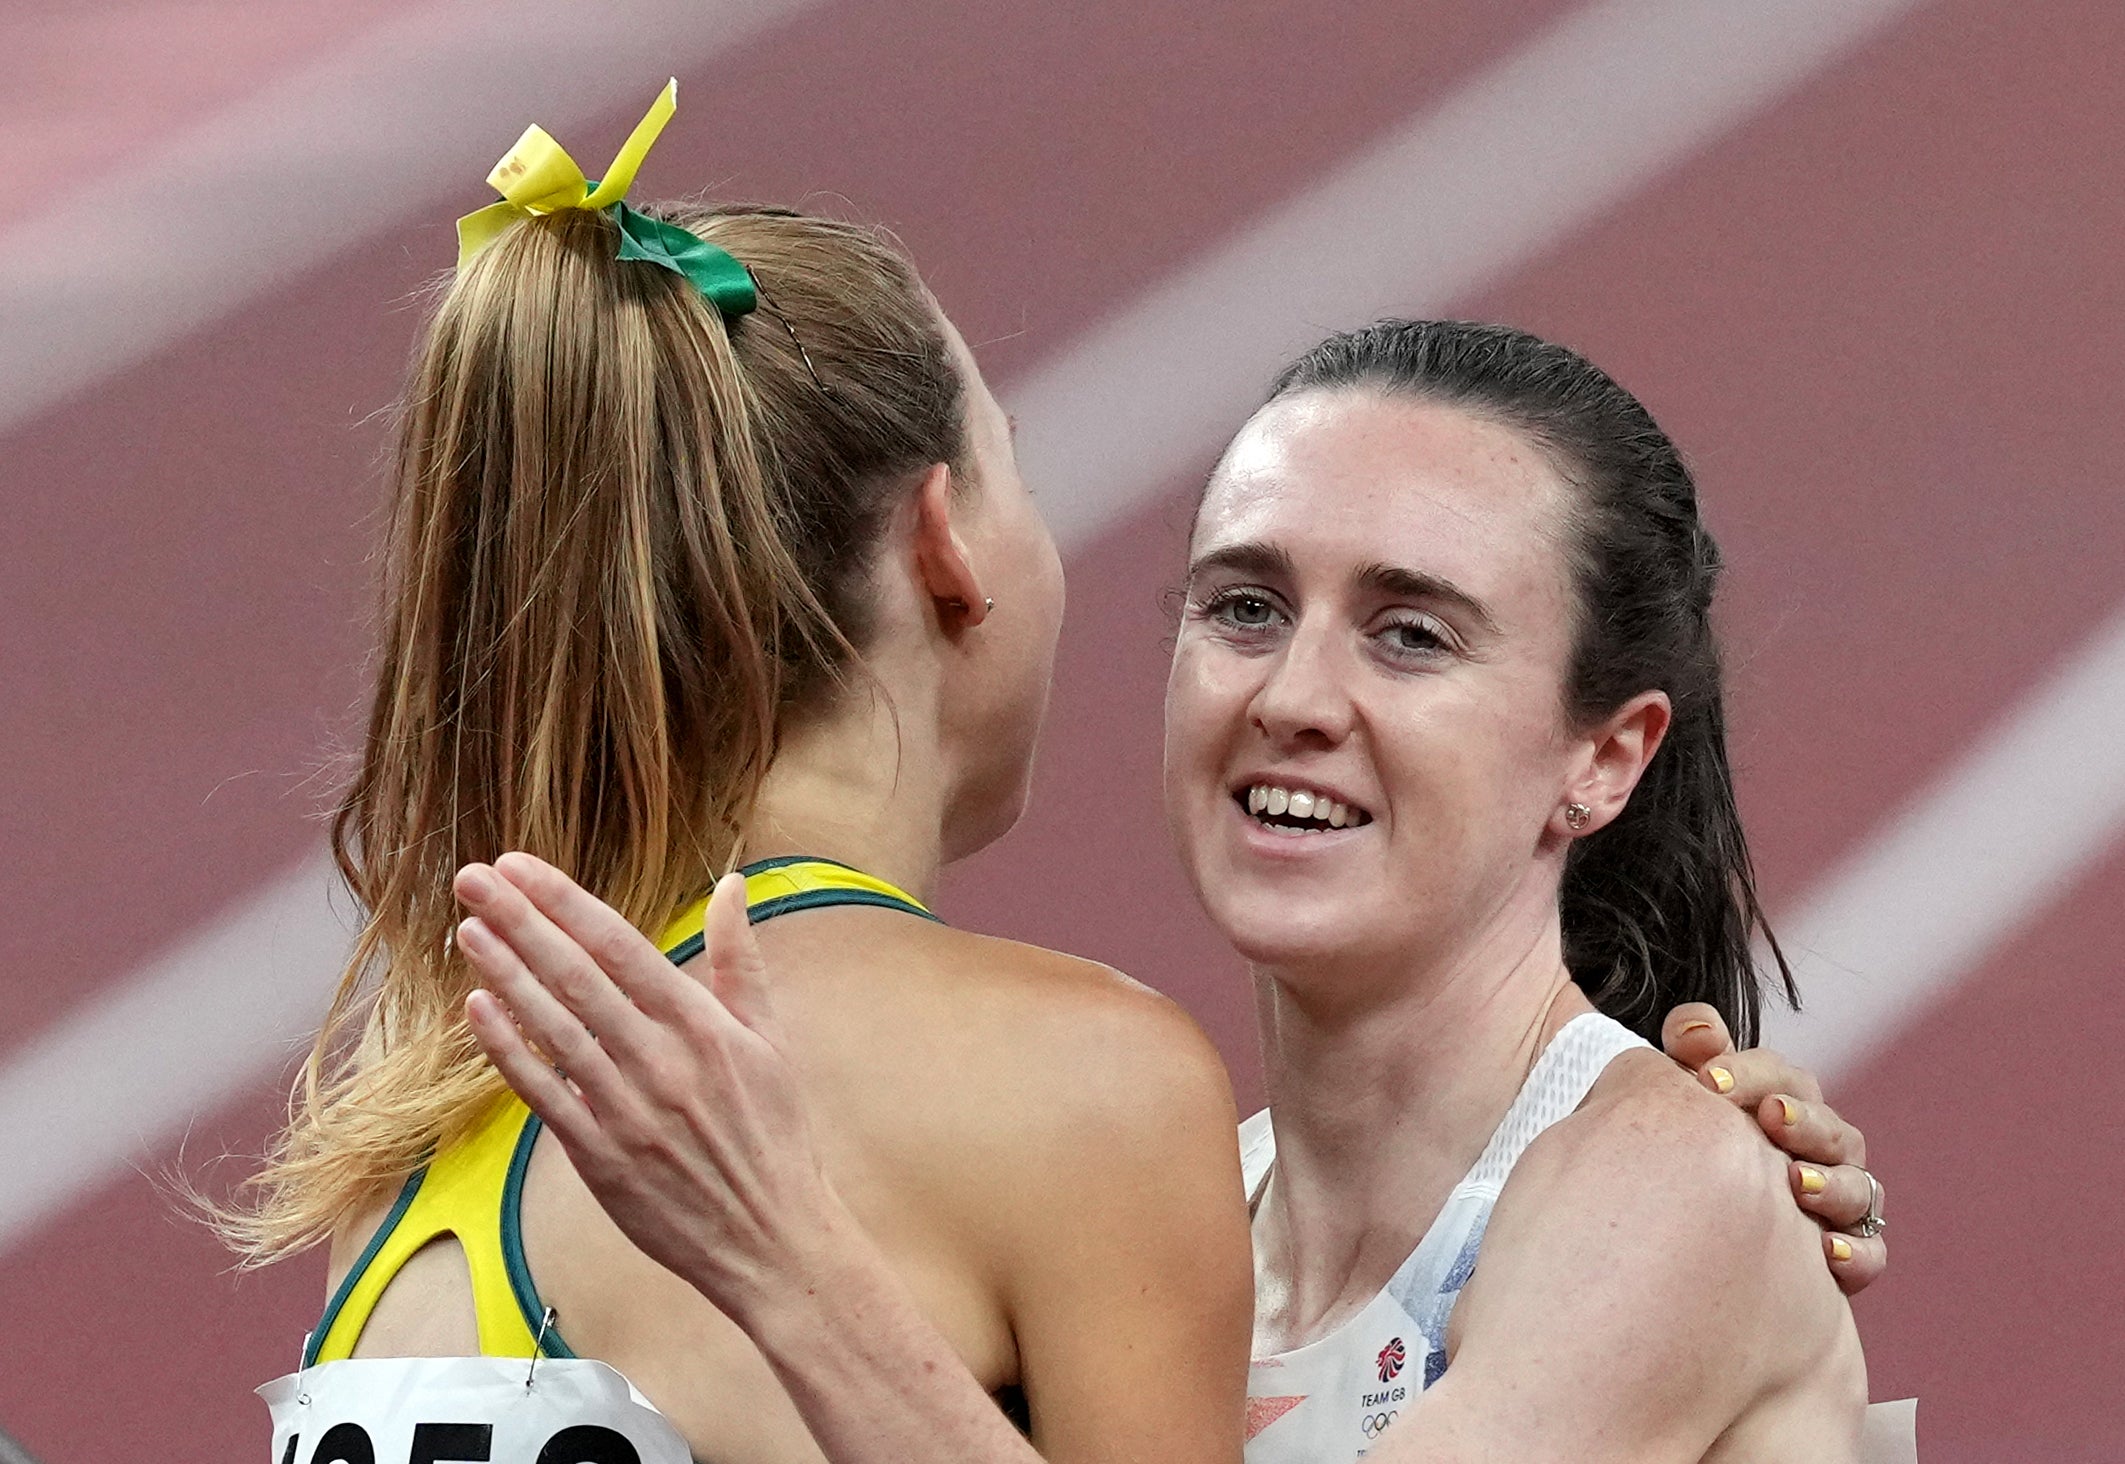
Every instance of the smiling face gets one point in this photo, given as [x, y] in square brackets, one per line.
[1366, 743]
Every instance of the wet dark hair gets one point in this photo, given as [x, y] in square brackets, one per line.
[1659, 907]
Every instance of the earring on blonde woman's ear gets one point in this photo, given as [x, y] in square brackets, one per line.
[1576, 814]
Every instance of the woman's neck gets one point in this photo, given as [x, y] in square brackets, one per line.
[1381, 1108]
[865, 784]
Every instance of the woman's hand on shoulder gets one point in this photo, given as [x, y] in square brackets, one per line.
[1099, 1162]
[1827, 1154]
[672, 1097]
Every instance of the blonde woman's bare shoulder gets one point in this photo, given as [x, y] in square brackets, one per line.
[1108, 1113]
[1056, 1058]
[1097, 1040]
[878, 997]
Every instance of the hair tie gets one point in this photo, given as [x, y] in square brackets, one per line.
[538, 177]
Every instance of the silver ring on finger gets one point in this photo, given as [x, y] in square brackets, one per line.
[1871, 1224]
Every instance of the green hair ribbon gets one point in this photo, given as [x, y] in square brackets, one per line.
[537, 177]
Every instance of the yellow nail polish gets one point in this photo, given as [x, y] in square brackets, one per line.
[1721, 1079]
[1812, 1181]
[1840, 1248]
[1789, 1111]
[1689, 1027]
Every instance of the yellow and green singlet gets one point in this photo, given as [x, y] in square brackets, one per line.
[473, 1188]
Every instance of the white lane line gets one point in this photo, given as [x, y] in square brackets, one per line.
[1994, 840]
[1505, 167]
[130, 1068]
[333, 154]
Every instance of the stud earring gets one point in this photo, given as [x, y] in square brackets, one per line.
[1576, 814]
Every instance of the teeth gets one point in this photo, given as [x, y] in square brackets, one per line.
[1264, 798]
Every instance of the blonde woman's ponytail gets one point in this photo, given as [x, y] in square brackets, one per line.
[627, 537]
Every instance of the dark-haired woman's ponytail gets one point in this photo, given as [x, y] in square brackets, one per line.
[1660, 906]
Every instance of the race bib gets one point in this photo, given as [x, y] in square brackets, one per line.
[428, 1410]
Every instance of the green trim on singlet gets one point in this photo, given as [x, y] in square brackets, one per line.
[768, 909]
[526, 1290]
[520, 1283]
[814, 899]
[406, 1192]
[784, 861]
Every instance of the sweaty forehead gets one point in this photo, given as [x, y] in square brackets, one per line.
[1389, 478]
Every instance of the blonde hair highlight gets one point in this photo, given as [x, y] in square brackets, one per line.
[627, 537]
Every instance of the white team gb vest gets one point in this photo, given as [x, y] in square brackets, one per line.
[1329, 1401]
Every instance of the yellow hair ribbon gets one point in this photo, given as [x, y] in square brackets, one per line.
[537, 176]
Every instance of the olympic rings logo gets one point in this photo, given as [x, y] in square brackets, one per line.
[1375, 1424]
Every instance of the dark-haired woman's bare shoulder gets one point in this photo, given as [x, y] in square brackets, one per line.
[1646, 1270]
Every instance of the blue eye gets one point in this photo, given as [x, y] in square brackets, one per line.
[1421, 636]
[1242, 613]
